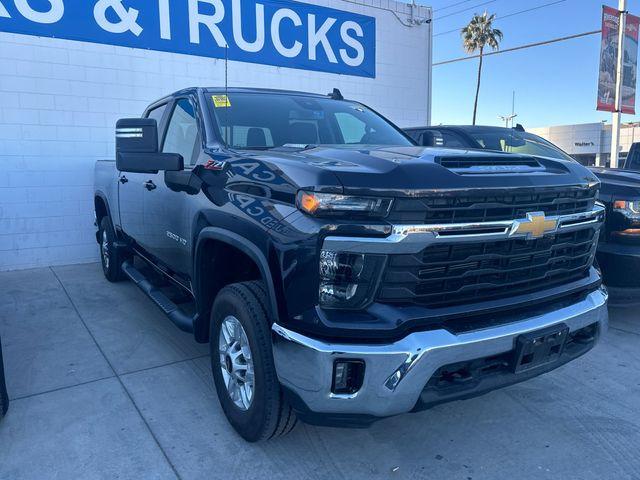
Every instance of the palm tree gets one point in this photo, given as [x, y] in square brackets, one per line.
[478, 34]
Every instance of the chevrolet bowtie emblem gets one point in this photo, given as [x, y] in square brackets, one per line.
[535, 226]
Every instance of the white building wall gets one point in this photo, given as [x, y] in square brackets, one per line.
[573, 139]
[589, 138]
[60, 99]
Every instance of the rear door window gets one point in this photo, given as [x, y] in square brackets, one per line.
[157, 114]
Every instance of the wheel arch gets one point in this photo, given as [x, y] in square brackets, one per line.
[214, 237]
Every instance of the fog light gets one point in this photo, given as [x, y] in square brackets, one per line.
[348, 376]
[330, 292]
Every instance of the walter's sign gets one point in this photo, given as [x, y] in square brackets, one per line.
[272, 32]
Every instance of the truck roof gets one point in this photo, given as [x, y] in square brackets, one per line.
[243, 90]
[218, 90]
[262, 90]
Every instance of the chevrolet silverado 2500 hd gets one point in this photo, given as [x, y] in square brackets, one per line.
[339, 272]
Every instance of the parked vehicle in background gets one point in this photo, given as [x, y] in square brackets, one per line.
[632, 161]
[339, 273]
[4, 397]
[619, 252]
[479, 137]
[619, 247]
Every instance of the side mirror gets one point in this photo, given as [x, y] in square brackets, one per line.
[137, 148]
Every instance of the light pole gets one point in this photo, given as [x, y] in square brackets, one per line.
[507, 119]
[615, 127]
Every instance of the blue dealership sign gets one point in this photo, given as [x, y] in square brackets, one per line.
[272, 32]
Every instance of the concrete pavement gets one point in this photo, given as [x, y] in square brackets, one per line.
[103, 386]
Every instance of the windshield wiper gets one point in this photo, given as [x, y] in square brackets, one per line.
[299, 146]
[293, 147]
[286, 146]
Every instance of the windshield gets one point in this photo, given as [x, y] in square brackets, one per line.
[514, 141]
[264, 120]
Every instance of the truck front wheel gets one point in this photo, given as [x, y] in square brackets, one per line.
[242, 364]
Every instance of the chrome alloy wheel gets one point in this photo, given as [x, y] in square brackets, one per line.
[236, 363]
[104, 247]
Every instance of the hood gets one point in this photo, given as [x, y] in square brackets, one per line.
[418, 171]
[622, 184]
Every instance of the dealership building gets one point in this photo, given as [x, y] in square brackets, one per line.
[590, 143]
[69, 70]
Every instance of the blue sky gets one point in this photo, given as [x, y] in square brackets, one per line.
[554, 84]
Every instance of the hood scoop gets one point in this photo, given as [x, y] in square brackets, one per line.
[483, 165]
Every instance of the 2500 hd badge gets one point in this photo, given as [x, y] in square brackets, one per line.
[177, 238]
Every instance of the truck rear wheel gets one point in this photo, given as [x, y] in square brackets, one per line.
[110, 256]
[242, 364]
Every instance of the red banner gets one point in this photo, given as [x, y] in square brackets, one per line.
[609, 58]
[630, 65]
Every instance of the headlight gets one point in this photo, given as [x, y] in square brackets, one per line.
[347, 280]
[329, 204]
[626, 228]
[627, 208]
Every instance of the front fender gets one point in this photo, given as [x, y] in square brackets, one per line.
[246, 246]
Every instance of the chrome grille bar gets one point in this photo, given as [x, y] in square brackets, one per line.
[414, 238]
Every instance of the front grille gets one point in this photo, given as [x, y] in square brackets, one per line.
[491, 206]
[459, 273]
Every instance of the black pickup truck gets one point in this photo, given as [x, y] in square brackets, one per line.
[619, 250]
[339, 272]
[619, 246]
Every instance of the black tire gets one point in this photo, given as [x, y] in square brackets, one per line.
[4, 398]
[111, 262]
[268, 415]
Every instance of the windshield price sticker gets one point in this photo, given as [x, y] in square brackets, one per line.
[282, 33]
[221, 101]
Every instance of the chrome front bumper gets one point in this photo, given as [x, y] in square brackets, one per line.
[396, 373]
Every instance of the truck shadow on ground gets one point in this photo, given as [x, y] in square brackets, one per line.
[541, 429]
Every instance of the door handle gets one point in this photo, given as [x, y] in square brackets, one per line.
[149, 185]
[123, 179]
